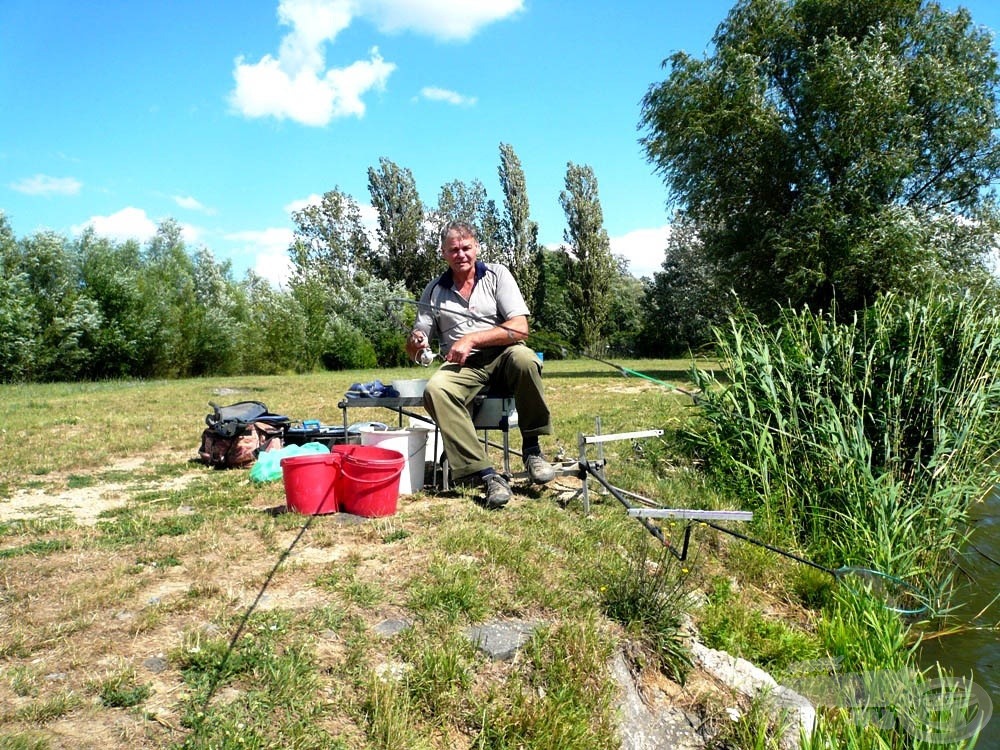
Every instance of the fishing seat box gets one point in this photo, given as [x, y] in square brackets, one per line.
[328, 435]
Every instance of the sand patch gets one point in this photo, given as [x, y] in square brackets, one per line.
[84, 505]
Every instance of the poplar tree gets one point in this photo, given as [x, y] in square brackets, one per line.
[468, 201]
[520, 233]
[592, 273]
[403, 254]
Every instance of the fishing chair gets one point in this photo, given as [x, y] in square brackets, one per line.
[491, 409]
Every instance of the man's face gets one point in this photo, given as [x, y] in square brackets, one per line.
[459, 252]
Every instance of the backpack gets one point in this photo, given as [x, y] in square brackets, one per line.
[237, 433]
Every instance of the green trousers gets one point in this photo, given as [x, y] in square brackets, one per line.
[449, 392]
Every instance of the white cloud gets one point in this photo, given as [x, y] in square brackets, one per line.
[297, 84]
[128, 224]
[369, 218]
[442, 19]
[192, 204]
[314, 23]
[131, 224]
[644, 249]
[269, 248]
[309, 96]
[297, 205]
[435, 94]
[43, 184]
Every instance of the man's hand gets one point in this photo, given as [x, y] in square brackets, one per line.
[461, 349]
[416, 341]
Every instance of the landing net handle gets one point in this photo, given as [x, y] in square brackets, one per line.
[681, 555]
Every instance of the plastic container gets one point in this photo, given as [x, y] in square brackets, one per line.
[411, 444]
[368, 482]
[410, 388]
[310, 483]
[434, 449]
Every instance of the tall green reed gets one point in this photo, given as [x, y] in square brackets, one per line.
[864, 442]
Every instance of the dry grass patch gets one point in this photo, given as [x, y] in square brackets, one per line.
[120, 596]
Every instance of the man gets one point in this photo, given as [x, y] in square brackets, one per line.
[477, 312]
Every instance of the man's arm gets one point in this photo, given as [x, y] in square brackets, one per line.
[510, 332]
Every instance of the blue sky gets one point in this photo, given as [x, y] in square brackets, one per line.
[227, 115]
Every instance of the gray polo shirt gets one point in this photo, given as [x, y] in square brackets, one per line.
[444, 314]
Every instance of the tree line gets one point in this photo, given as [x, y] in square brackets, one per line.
[93, 308]
[826, 153]
[823, 154]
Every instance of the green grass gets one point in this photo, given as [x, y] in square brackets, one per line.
[647, 593]
[731, 624]
[40, 547]
[24, 741]
[173, 563]
[122, 689]
[452, 591]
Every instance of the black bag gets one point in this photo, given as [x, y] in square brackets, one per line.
[237, 433]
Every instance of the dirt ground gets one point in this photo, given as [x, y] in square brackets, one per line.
[84, 504]
[71, 617]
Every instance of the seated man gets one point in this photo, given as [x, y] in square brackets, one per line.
[477, 312]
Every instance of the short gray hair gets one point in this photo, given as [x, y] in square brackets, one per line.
[461, 228]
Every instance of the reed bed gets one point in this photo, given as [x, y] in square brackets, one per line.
[862, 443]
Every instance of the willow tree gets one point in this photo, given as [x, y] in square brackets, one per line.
[330, 243]
[833, 148]
[18, 316]
[592, 274]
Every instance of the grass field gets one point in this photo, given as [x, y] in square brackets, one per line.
[126, 568]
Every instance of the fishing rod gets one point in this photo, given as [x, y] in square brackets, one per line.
[903, 598]
[543, 338]
[221, 666]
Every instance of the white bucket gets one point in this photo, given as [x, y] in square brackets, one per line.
[411, 443]
[429, 455]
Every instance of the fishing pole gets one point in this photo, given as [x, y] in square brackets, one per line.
[545, 339]
[905, 598]
[220, 667]
[586, 468]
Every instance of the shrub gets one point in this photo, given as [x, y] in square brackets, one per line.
[346, 348]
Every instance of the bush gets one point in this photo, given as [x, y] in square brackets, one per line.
[864, 439]
[346, 348]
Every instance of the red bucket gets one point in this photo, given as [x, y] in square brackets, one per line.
[368, 483]
[310, 483]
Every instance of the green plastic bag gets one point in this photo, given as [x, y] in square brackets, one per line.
[267, 468]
